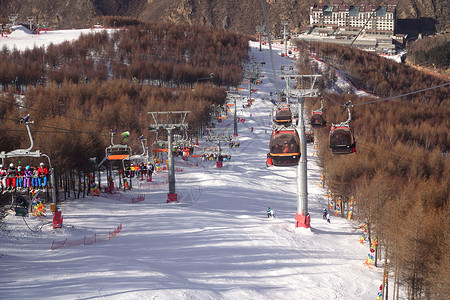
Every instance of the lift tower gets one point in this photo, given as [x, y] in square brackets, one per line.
[169, 120]
[285, 24]
[234, 95]
[302, 217]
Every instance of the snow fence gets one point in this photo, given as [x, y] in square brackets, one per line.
[96, 238]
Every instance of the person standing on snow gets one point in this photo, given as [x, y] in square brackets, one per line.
[324, 216]
[328, 218]
[270, 212]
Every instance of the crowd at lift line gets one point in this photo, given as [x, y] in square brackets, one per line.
[13, 178]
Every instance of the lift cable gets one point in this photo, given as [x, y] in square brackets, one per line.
[63, 130]
[393, 97]
[46, 111]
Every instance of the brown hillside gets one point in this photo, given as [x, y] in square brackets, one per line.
[241, 16]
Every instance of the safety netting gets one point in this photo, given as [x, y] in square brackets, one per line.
[87, 240]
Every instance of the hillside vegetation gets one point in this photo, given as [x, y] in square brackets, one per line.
[77, 92]
[400, 175]
[431, 52]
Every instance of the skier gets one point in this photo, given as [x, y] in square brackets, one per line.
[3, 174]
[328, 218]
[270, 213]
[251, 129]
[11, 179]
[324, 213]
[28, 173]
[42, 173]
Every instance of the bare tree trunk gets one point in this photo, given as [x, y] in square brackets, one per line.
[79, 183]
[66, 191]
[395, 295]
[375, 262]
[386, 275]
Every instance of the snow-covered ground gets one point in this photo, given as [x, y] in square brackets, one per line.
[216, 243]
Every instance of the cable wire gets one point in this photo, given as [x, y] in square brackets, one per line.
[390, 98]
[64, 130]
[40, 228]
[46, 111]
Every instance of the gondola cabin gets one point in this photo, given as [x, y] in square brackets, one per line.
[309, 136]
[283, 116]
[284, 148]
[342, 140]
[317, 120]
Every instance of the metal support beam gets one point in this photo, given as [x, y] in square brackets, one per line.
[302, 216]
[171, 168]
[285, 24]
[172, 120]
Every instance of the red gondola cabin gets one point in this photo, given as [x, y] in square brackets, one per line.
[284, 148]
[342, 140]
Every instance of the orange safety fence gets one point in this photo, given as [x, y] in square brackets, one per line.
[96, 238]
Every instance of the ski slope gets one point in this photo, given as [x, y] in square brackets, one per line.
[216, 243]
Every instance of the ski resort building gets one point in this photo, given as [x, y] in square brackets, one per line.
[349, 19]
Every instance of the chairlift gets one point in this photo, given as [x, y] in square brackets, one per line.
[143, 157]
[317, 119]
[117, 151]
[29, 153]
[284, 147]
[341, 137]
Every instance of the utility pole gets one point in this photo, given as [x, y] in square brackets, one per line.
[13, 18]
[260, 30]
[173, 119]
[302, 217]
[285, 24]
[30, 20]
[234, 95]
[219, 138]
[252, 75]
[286, 75]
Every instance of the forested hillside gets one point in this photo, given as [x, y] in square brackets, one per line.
[77, 92]
[241, 16]
[400, 175]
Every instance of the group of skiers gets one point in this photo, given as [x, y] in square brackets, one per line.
[183, 151]
[139, 170]
[29, 177]
[214, 157]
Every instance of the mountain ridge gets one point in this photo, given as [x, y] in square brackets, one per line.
[425, 16]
